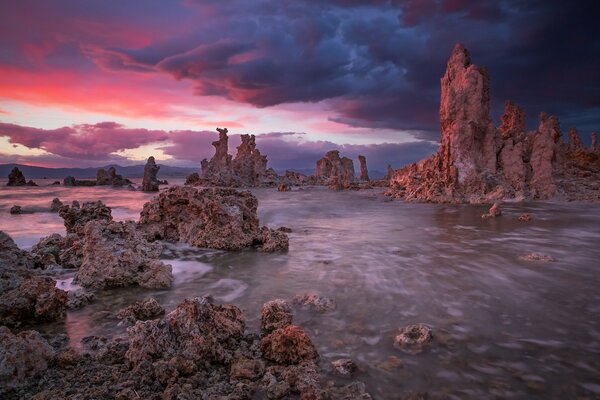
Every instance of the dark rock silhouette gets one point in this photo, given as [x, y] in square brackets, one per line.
[16, 178]
[110, 177]
[150, 182]
[70, 181]
[364, 173]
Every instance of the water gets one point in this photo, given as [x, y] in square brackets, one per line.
[503, 327]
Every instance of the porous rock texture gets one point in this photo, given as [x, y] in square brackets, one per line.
[478, 163]
[150, 183]
[217, 218]
[289, 345]
[275, 314]
[75, 216]
[110, 177]
[24, 296]
[247, 169]
[413, 339]
[336, 172]
[140, 311]
[117, 254]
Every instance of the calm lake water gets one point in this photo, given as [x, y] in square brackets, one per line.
[503, 327]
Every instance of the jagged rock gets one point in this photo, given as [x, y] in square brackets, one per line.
[79, 298]
[275, 314]
[23, 356]
[213, 218]
[196, 333]
[16, 178]
[140, 311]
[289, 345]
[493, 212]
[76, 217]
[511, 157]
[544, 156]
[110, 177]
[11, 257]
[292, 178]
[344, 366]
[56, 205]
[150, 182]
[117, 254]
[65, 251]
[336, 172]
[28, 299]
[192, 179]
[315, 302]
[575, 144]
[55, 183]
[15, 209]
[353, 391]
[364, 173]
[413, 339]
[282, 187]
[70, 181]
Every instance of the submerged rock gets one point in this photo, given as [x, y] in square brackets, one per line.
[212, 218]
[150, 182]
[79, 298]
[344, 366]
[314, 302]
[275, 314]
[413, 339]
[493, 212]
[537, 257]
[117, 254]
[23, 356]
[282, 187]
[289, 345]
[140, 311]
[75, 217]
[525, 217]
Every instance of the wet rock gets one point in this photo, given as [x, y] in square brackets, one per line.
[344, 367]
[79, 298]
[245, 368]
[31, 299]
[283, 188]
[55, 249]
[23, 357]
[390, 364]
[364, 173]
[71, 181]
[150, 182]
[493, 212]
[11, 257]
[595, 147]
[75, 217]
[140, 311]
[275, 314]
[315, 302]
[117, 254]
[196, 333]
[15, 209]
[289, 345]
[537, 257]
[413, 339]
[110, 177]
[525, 217]
[211, 218]
[284, 229]
[56, 205]
[16, 178]
[336, 172]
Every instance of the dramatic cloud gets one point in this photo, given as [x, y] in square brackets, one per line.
[84, 142]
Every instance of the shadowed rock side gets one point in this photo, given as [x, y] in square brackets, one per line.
[150, 182]
[478, 163]
[364, 173]
[214, 218]
[200, 350]
[247, 169]
[110, 177]
[16, 178]
[76, 216]
[71, 181]
[335, 172]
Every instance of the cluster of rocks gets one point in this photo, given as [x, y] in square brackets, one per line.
[477, 162]
[335, 172]
[16, 178]
[110, 177]
[199, 350]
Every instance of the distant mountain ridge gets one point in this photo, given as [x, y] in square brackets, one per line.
[132, 171]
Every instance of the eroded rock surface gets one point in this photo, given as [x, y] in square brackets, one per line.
[275, 314]
[16, 178]
[213, 218]
[413, 339]
[336, 172]
[364, 172]
[150, 183]
[110, 177]
[141, 311]
[289, 345]
[76, 216]
[56, 205]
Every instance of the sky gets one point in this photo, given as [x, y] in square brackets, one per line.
[88, 83]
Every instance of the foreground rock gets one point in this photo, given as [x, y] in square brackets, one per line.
[110, 177]
[413, 339]
[289, 345]
[117, 254]
[275, 314]
[213, 218]
[247, 169]
[75, 216]
[23, 356]
[478, 163]
[150, 182]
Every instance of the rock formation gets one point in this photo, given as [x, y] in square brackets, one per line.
[16, 178]
[275, 314]
[247, 169]
[214, 218]
[364, 173]
[413, 339]
[292, 178]
[595, 147]
[76, 217]
[336, 172]
[150, 182]
[116, 254]
[478, 163]
[56, 205]
[70, 181]
[140, 311]
[110, 177]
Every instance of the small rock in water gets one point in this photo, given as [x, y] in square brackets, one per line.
[493, 212]
[283, 188]
[275, 314]
[412, 339]
[537, 257]
[284, 229]
[15, 209]
[525, 217]
[315, 302]
[344, 366]
[140, 311]
[289, 345]
[391, 363]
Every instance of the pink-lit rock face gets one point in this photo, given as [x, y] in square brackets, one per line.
[364, 172]
[247, 169]
[334, 171]
[478, 163]
[150, 182]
